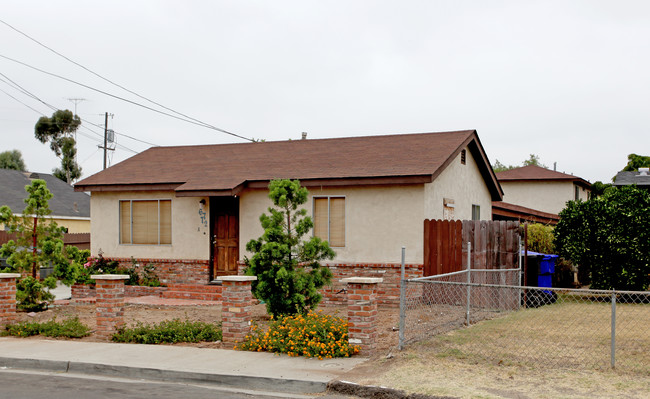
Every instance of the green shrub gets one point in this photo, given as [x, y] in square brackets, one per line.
[169, 332]
[149, 277]
[32, 295]
[288, 269]
[100, 265]
[609, 238]
[310, 335]
[540, 238]
[70, 328]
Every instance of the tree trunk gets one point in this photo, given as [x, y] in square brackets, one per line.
[34, 247]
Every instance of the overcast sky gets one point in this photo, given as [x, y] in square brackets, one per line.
[566, 80]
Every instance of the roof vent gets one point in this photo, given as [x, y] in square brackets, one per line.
[304, 135]
[644, 171]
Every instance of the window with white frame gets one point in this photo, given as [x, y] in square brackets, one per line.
[329, 220]
[146, 222]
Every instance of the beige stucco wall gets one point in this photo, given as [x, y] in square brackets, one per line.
[462, 183]
[190, 235]
[543, 196]
[74, 225]
[379, 220]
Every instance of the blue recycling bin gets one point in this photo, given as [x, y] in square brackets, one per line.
[545, 273]
[547, 266]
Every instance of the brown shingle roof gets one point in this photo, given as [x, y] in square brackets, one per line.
[536, 173]
[226, 168]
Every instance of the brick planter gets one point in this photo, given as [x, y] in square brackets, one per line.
[236, 303]
[81, 291]
[7, 298]
[387, 292]
[110, 303]
[362, 312]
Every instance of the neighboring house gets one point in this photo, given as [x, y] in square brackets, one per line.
[191, 210]
[641, 178]
[70, 209]
[537, 194]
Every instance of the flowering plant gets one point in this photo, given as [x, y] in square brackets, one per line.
[310, 335]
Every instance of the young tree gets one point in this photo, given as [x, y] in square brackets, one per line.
[534, 160]
[287, 267]
[58, 131]
[37, 236]
[609, 237]
[499, 167]
[634, 162]
[598, 188]
[12, 160]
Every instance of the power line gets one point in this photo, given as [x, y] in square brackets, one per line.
[18, 87]
[123, 99]
[100, 76]
[189, 118]
[122, 134]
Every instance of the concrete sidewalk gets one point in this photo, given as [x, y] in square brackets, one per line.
[227, 368]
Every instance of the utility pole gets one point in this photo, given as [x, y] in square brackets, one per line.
[105, 147]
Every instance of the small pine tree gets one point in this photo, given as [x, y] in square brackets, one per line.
[35, 234]
[287, 267]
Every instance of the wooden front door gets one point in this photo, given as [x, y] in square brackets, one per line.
[225, 235]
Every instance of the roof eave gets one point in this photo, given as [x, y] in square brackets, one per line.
[127, 187]
[314, 182]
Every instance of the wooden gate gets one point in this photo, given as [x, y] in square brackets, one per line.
[495, 245]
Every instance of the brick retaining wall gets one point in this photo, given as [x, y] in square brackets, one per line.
[80, 291]
[173, 271]
[179, 271]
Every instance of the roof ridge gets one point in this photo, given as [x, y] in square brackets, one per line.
[376, 136]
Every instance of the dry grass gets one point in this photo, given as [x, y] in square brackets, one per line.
[562, 335]
[555, 351]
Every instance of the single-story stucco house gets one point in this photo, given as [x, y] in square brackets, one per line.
[537, 194]
[190, 210]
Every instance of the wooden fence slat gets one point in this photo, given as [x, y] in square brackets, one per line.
[427, 248]
[494, 245]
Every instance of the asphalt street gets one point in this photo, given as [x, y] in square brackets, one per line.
[38, 385]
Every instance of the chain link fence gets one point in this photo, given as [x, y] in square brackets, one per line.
[485, 315]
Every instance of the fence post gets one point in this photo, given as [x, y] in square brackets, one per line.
[519, 275]
[110, 303]
[236, 302]
[7, 298]
[469, 278]
[362, 312]
[402, 302]
[613, 350]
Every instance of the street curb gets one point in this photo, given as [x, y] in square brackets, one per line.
[231, 381]
[375, 392]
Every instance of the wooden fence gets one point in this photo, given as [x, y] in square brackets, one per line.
[79, 240]
[495, 245]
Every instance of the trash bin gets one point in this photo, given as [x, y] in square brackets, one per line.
[546, 270]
